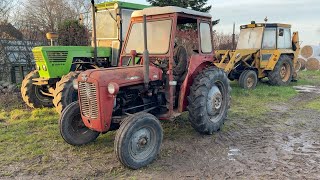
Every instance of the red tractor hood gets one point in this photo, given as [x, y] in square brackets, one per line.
[123, 76]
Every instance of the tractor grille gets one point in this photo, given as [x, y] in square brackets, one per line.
[88, 98]
[57, 56]
[38, 56]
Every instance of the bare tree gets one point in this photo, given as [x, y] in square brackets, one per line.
[42, 16]
[5, 7]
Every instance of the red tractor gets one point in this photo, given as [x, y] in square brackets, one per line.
[155, 80]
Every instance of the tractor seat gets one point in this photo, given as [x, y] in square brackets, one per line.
[181, 63]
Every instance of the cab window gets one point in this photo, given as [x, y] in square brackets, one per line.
[205, 38]
[284, 38]
[269, 38]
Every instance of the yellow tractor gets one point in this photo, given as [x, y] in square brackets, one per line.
[263, 50]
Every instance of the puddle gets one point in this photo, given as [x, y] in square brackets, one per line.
[233, 152]
[301, 144]
[307, 89]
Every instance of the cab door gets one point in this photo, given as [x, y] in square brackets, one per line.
[269, 45]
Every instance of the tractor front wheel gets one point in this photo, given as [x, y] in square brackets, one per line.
[33, 95]
[282, 72]
[248, 79]
[209, 100]
[72, 128]
[64, 94]
[138, 140]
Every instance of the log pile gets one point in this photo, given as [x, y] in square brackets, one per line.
[310, 54]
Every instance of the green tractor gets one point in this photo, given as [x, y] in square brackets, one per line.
[51, 84]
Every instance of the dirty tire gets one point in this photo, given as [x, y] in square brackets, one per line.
[248, 79]
[72, 129]
[64, 94]
[282, 72]
[31, 94]
[209, 100]
[138, 140]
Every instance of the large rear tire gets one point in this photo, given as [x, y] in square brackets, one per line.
[282, 72]
[209, 100]
[72, 128]
[32, 94]
[64, 94]
[138, 140]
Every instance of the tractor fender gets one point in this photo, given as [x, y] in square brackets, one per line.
[196, 64]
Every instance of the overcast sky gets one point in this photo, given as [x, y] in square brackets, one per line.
[304, 15]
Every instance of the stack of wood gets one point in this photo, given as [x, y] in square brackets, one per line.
[310, 55]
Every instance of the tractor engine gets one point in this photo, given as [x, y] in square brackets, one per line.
[135, 99]
[107, 95]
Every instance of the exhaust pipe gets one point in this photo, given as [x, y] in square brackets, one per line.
[94, 38]
[145, 54]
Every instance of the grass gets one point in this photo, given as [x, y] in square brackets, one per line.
[30, 139]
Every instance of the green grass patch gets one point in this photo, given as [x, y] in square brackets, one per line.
[309, 78]
[315, 104]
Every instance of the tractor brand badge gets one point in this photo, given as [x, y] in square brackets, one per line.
[155, 76]
[84, 77]
[133, 78]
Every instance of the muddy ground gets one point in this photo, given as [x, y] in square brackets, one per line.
[282, 144]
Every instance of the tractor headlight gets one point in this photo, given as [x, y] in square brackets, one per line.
[113, 88]
[37, 67]
[75, 84]
[44, 67]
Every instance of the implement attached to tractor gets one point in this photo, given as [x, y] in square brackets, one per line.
[263, 50]
[51, 84]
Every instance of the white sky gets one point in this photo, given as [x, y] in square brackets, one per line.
[303, 15]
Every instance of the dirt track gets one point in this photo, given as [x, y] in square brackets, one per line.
[284, 144]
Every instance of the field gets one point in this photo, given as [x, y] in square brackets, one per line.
[271, 132]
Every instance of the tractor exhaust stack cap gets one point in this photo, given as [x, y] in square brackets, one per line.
[53, 37]
[145, 54]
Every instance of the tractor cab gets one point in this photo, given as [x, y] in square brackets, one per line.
[112, 23]
[265, 36]
[155, 79]
[259, 49]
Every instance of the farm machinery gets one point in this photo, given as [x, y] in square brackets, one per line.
[57, 66]
[152, 82]
[263, 50]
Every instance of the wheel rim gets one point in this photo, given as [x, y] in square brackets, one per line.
[285, 72]
[215, 102]
[250, 82]
[142, 143]
[77, 125]
[40, 96]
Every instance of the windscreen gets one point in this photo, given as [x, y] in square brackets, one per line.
[250, 38]
[106, 25]
[158, 37]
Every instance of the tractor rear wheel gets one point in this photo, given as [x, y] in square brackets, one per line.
[72, 128]
[248, 79]
[282, 72]
[138, 140]
[209, 100]
[64, 94]
[32, 94]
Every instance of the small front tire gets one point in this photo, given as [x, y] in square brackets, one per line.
[72, 128]
[248, 79]
[138, 140]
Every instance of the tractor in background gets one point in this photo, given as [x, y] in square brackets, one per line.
[51, 84]
[263, 50]
[155, 80]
